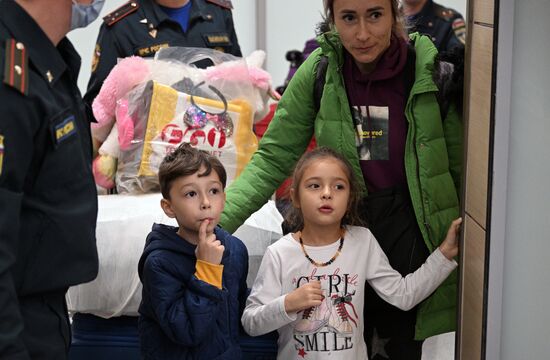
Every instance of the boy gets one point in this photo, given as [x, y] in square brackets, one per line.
[193, 275]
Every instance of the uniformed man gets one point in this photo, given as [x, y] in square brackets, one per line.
[445, 26]
[142, 27]
[47, 193]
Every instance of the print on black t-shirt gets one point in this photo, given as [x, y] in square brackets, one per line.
[372, 132]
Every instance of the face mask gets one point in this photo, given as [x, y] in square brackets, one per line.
[84, 14]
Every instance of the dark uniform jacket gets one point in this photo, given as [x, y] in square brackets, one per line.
[141, 28]
[445, 26]
[48, 200]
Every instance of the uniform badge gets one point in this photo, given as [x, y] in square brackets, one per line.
[65, 129]
[217, 41]
[95, 59]
[151, 50]
[459, 28]
[120, 13]
[1, 153]
[15, 66]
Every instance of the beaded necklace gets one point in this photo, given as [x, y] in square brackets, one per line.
[326, 263]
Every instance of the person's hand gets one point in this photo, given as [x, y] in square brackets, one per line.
[304, 297]
[209, 248]
[449, 246]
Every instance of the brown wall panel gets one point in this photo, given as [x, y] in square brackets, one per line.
[472, 275]
[479, 112]
[483, 11]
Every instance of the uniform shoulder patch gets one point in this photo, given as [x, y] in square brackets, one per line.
[223, 3]
[16, 66]
[444, 13]
[121, 13]
[459, 28]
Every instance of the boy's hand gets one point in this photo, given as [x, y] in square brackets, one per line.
[209, 248]
[449, 246]
[304, 297]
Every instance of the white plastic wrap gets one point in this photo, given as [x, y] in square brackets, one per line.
[122, 227]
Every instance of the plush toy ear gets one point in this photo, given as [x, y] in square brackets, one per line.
[104, 169]
[104, 166]
[256, 59]
[128, 73]
[110, 145]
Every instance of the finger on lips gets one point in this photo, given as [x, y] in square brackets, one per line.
[202, 229]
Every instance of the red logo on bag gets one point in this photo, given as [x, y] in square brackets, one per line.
[172, 134]
[216, 138]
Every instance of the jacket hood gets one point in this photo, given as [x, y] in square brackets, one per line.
[330, 43]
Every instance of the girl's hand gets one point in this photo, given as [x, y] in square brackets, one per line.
[449, 246]
[304, 297]
[209, 248]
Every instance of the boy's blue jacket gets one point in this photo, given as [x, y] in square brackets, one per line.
[182, 317]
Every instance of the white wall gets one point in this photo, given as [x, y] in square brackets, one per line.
[290, 23]
[526, 288]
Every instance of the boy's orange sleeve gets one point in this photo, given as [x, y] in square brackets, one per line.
[210, 273]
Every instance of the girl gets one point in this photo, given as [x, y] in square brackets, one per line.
[310, 284]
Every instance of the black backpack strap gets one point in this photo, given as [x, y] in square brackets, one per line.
[409, 70]
[319, 84]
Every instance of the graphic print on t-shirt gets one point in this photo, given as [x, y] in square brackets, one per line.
[329, 326]
[372, 132]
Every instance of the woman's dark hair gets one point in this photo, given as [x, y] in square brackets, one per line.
[294, 218]
[185, 160]
[398, 21]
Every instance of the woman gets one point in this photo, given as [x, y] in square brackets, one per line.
[379, 109]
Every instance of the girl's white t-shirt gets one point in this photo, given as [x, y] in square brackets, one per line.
[334, 329]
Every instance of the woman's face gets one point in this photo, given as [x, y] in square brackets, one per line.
[365, 28]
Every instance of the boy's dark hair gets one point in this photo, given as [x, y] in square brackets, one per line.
[294, 217]
[186, 160]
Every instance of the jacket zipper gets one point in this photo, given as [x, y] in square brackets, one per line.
[423, 203]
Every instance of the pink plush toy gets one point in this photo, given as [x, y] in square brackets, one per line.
[128, 73]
